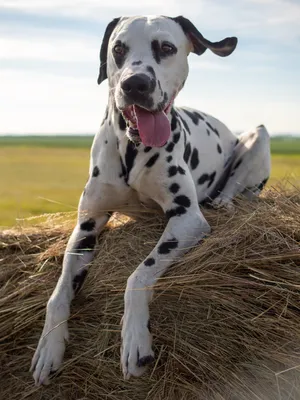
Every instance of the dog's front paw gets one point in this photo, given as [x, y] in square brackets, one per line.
[49, 353]
[136, 351]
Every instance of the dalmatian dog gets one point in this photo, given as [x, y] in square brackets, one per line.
[150, 152]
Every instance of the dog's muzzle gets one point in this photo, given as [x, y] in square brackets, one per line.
[145, 121]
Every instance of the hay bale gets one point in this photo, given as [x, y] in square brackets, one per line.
[225, 319]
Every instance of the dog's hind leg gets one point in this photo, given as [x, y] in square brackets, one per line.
[249, 168]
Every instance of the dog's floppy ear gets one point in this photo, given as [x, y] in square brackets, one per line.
[103, 51]
[223, 48]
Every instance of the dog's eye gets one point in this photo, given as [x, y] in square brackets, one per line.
[168, 48]
[118, 49]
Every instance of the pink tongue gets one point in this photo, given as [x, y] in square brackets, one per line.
[154, 129]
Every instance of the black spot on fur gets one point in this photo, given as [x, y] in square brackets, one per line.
[78, 280]
[176, 137]
[198, 115]
[123, 169]
[147, 149]
[88, 225]
[184, 138]
[96, 172]
[219, 149]
[207, 178]
[151, 71]
[213, 129]
[187, 153]
[152, 160]
[105, 116]
[159, 85]
[175, 212]
[106, 142]
[173, 120]
[122, 122]
[137, 63]
[156, 51]
[130, 156]
[238, 164]
[141, 362]
[149, 262]
[86, 244]
[262, 184]
[182, 200]
[174, 187]
[167, 246]
[170, 147]
[149, 325]
[237, 142]
[169, 158]
[185, 124]
[211, 179]
[194, 115]
[172, 170]
[208, 132]
[195, 159]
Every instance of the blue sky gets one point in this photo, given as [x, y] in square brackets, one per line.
[49, 53]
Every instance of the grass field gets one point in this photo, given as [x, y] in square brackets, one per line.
[47, 174]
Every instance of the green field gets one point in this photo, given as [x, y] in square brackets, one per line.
[47, 174]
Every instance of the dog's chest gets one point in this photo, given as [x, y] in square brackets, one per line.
[201, 145]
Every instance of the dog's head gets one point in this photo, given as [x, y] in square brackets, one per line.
[145, 61]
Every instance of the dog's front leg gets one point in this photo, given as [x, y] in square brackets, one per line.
[92, 217]
[186, 226]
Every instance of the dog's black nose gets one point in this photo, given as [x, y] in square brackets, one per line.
[136, 85]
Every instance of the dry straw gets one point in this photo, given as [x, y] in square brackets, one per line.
[225, 318]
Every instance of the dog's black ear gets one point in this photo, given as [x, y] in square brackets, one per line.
[103, 51]
[223, 48]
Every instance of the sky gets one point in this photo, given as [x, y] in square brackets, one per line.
[49, 60]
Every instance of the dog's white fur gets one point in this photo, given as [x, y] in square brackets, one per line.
[247, 162]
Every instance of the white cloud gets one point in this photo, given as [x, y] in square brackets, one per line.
[96, 9]
[49, 48]
[212, 13]
[209, 65]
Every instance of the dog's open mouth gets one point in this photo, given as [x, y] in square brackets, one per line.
[152, 127]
